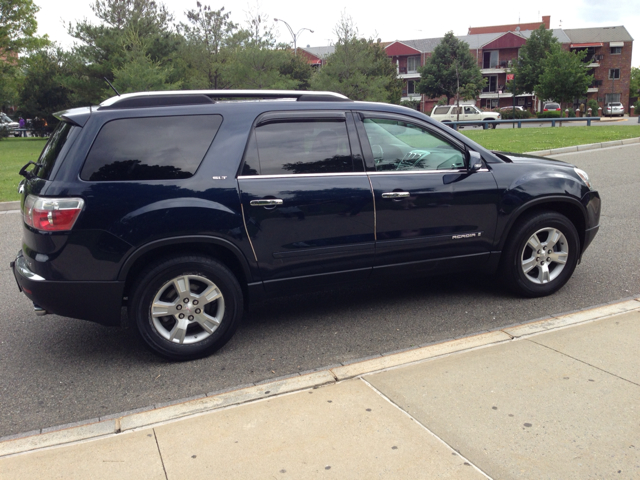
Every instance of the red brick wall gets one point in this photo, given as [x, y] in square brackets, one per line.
[621, 61]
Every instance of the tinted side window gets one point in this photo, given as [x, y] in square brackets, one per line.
[398, 145]
[51, 151]
[151, 148]
[299, 147]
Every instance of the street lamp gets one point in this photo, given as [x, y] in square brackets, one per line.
[293, 35]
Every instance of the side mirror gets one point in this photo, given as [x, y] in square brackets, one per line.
[475, 161]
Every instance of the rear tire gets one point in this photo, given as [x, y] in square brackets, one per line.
[186, 307]
[541, 254]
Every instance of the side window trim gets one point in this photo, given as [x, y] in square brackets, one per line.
[355, 145]
[308, 116]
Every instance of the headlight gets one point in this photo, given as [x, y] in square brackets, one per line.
[583, 175]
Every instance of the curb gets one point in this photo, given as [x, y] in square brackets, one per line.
[7, 206]
[158, 414]
[589, 146]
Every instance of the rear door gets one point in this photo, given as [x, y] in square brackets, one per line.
[307, 201]
[430, 211]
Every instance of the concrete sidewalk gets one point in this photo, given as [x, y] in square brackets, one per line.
[557, 398]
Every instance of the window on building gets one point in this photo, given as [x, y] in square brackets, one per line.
[411, 87]
[492, 84]
[412, 64]
[616, 50]
[490, 59]
[614, 74]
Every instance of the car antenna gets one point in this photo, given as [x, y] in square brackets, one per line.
[112, 87]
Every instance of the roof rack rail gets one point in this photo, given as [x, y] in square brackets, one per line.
[199, 97]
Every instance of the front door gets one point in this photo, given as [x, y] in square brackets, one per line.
[431, 213]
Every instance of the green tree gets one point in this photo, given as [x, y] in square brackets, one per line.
[140, 72]
[18, 26]
[211, 41]
[451, 71]
[564, 76]
[297, 68]
[101, 49]
[529, 66]
[634, 82]
[43, 92]
[358, 68]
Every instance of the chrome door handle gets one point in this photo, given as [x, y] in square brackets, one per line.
[395, 195]
[266, 202]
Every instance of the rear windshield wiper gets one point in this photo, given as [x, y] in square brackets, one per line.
[29, 174]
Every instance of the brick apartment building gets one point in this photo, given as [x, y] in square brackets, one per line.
[495, 48]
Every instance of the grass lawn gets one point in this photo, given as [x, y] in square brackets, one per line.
[15, 152]
[521, 140]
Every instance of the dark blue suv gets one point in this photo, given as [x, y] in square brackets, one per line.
[183, 206]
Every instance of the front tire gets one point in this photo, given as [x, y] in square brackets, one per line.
[541, 254]
[186, 307]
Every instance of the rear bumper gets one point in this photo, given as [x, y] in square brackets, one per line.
[99, 302]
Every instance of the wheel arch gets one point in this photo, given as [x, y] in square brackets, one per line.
[569, 207]
[218, 248]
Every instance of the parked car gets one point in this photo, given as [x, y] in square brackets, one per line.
[183, 208]
[551, 107]
[614, 108]
[449, 113]
[8, 125]
[511, 108]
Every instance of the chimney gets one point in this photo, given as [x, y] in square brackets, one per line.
[546, 19]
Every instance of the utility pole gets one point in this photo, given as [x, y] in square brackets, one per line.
[293, 35]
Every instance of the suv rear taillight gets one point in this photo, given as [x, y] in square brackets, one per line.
[51, 214]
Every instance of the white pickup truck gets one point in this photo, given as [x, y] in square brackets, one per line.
[449, 113]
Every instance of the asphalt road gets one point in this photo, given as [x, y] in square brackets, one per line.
[57, 370]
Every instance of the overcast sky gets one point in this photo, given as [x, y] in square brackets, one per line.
[410, 20]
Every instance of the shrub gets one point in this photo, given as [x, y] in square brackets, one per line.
[549, 114]
[519, 114]
[412, 104]
[636, 108]
[571, 113]
[593, 105]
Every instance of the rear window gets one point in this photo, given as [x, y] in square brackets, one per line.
[150, 148]
[51, 150]
[441, 111]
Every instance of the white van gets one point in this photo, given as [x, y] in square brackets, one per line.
[449, 113]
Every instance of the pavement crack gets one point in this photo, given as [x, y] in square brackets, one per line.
[418, 422]
[164, 469]
[585, 363]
